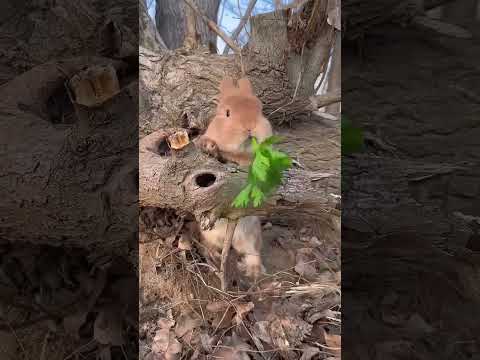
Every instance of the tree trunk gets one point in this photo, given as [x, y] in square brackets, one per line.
[171, 22]
[178, 90]
[149, 36]
[335, 76]
[310, 37]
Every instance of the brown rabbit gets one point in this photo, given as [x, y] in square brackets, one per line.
[247, 242]
[238, 117]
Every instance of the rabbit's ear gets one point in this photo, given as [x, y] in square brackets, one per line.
[227, 87]
[245, 86]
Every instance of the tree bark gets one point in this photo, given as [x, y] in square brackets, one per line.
[68, 172]
[55, 187]
[372, 199]
[178, 89]
[461, 13]
[335, 76]
[176, 180]
[171, 22]
[149, 36]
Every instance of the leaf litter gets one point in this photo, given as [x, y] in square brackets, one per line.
[282, 316]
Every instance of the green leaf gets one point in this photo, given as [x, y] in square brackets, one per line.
[280, 160]
[254, 145]
[257, 196]
[265, 173]
[242, 199]
[260, 166]
[352, 137]
[272, 140]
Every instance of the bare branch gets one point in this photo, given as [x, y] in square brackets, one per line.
[241, 24]
[214, 27]
[319, 101]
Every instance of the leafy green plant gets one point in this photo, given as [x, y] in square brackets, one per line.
[352, 141]
[264, 174]
[352, 137]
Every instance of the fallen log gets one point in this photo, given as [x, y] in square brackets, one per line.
[193, 183]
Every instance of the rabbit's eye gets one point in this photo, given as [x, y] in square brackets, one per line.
[228, 113]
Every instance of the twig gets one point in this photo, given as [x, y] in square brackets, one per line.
[211, 24]
[232, 224]
[241, 24]
[319, 101]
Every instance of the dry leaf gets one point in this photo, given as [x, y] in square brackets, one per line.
[185, 323]
[207, 342]
[315, 242]
[184, 243]
[223, 319]
[178, 140]
[261, 331]
[288, 332]
[217, 306]
[334, 343]
[232, 349]
[165, 343]
[107, 329]
[161, 340]
[242, 309]
[73, 323]
[308, 352]
[165, 323]
[305, 264]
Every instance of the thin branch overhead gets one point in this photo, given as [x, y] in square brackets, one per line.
[213, 26]
[241, 24]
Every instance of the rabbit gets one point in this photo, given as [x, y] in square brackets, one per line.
[238, 117]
